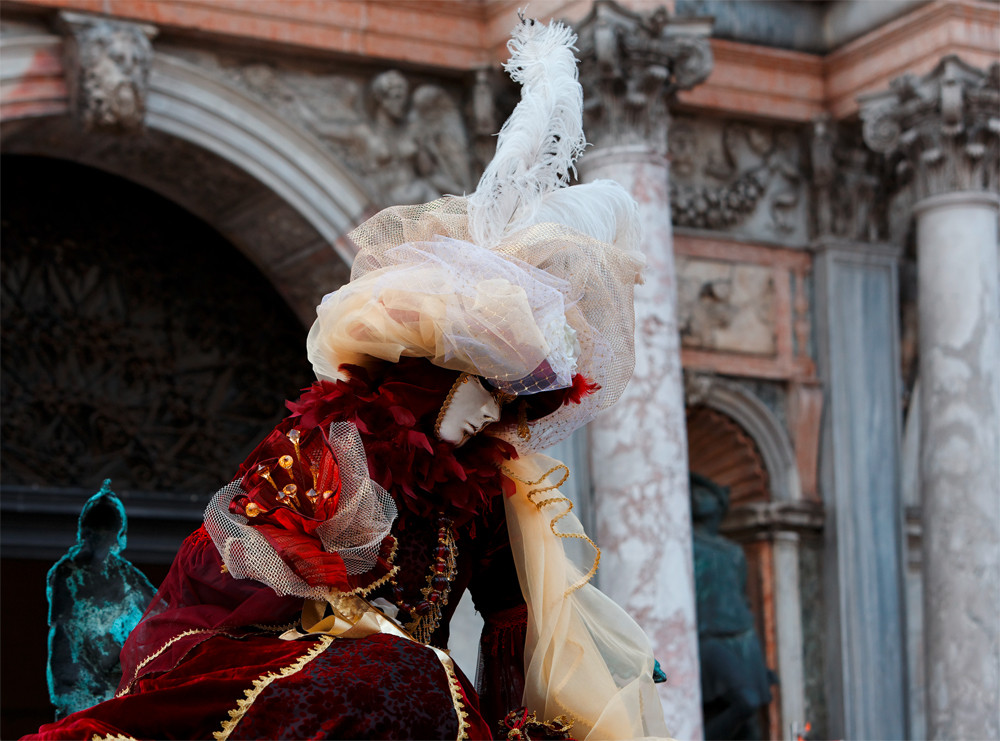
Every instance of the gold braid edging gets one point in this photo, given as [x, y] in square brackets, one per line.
[262, 682]
[112, 737]
[164, 647]
[455, 687]
[552, 525]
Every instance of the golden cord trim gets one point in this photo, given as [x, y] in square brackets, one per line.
[263, 682]
[552, 525]
[164, 647]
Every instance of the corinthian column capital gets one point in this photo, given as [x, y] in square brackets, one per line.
[941, 130]
[630, 67]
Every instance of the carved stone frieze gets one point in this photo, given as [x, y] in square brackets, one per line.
[107, 71]
[406, 144]
[725, 307]
[631, 65]
[737, 176]
[941, 131]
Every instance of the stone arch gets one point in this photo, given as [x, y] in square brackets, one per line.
[764, 429]
[291, 184]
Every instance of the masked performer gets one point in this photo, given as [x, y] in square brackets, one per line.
[315, 600]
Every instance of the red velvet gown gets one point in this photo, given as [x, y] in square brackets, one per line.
[206, 660]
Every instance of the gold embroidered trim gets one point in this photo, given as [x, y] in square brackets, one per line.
[552, 525]
[455, 687]
[262, 682]
[164, 647]
[116, 737]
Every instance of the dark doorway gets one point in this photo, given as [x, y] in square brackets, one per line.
[137, 345]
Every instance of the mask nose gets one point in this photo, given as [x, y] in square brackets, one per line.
[490, 411]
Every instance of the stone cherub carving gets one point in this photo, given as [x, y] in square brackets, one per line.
[95, 598]
[735, 681]
[409, 148]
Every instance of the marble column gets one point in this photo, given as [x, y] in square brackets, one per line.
[959, 311]
[944, 131]
[639, 457]
[639, 448]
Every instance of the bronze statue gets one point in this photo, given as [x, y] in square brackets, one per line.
[735, 681]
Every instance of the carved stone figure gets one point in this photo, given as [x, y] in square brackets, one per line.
[107, 69]
[630, 67]
[735, 681]
[939, 131]
[96, 597]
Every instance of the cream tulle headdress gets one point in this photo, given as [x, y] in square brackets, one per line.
[526, 282]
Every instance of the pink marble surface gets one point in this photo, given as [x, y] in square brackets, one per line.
[639, 457]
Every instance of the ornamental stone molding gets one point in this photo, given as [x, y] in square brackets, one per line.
[630, 67]
[107, 71]
[940, 131]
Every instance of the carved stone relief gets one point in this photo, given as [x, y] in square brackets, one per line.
[727, 307]
[736, 176]
[107, 71]
[630, 67]
[408, 143]
[940, 132]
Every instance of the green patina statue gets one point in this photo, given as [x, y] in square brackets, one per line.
[95, 598]
[735, 681]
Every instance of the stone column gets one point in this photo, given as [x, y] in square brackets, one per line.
[630, 65]
[943, 130]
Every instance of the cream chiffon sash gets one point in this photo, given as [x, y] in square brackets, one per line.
[584, 656]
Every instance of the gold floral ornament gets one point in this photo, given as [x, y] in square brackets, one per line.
[312, 486]
[522, 725]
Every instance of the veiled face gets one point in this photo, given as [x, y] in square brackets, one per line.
[469, 409]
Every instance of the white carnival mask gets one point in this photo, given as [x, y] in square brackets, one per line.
[467, 410]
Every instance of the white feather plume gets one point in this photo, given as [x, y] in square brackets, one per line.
[601, 209]
[540, 141]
